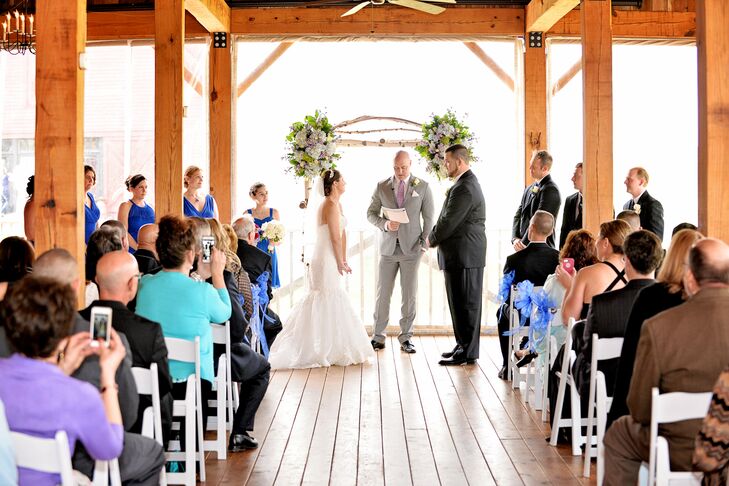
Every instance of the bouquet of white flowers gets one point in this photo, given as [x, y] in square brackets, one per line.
[274, 232]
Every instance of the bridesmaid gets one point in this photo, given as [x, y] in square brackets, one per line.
[135, 212]
[91, 210]
[263, 214]
[194, 203]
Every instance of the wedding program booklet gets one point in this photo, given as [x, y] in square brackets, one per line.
[399, 215]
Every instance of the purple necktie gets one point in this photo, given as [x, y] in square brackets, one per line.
[401, 194]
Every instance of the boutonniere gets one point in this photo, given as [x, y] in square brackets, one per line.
[414, 182]
[636, 208]
[535, 189]
[448, 191]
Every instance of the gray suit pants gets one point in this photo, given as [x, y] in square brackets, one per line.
[389, 266]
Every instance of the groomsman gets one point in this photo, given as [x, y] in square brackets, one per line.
[401, 246]
[460, 235]
[543, 195]
[648, 208]
[572, 215]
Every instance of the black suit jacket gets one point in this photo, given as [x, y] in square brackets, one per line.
[651, 300]
[608, 317]
[571, 217]
[255, 262]
[147, 262]
[651, 213]
[460, 232]
[546, 198]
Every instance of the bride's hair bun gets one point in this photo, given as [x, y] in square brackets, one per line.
[329, 177]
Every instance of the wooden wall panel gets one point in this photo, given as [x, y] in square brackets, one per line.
[221, 173]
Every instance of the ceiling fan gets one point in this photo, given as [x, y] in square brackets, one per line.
[414, 4]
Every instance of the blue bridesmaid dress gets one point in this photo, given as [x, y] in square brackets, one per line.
[92, 215]
[138, 217]
[263, 245]
[208, 211]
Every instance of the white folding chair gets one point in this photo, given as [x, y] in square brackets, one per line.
[104, 471]
[669, 408]
[515, 374]
[221, 335]
[147, 381]
[598, 400]
[575, 422]
[191, 409]
[537, 376]
[217, 423]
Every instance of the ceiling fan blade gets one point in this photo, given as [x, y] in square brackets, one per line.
[356, 9]
[417, 5]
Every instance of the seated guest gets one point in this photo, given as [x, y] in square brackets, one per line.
[16, 261]
[185, 308]
[255, 262]
[609, 312]
[123, 233]
[630, 217]
[682, 349]
[604, 276]
[146, 253]
[667, 292]
[534, 263]
[102, 241]
[683, 226]
[39, 396]
[711, 454]
[117, 276]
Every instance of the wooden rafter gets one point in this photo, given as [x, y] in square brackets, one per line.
[491, 64]
[214, 15]
[636, 24]
[567, 77]
[541, 15]
[267, 63]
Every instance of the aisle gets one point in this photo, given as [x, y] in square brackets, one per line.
[398, 421]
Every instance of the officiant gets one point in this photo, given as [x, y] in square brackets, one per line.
[401, 245]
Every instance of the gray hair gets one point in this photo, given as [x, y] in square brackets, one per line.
[56, 264]
[244, 226]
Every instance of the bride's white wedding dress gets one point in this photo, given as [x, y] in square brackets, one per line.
[323, 328]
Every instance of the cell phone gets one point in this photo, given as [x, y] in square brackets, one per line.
[207, 248]
[100, 325]
[569, 265]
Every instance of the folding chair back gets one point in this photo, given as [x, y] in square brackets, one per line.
[147, 381]
[44, 455]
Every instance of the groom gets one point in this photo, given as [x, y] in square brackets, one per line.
[401, 246]
[460, 235]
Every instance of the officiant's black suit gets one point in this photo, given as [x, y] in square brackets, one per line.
[571, 217]
[546, 198]
[460, 236]
[651, 213]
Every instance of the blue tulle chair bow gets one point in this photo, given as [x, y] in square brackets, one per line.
[523, 300]
[259, 291]
[505, 286]
[543, 308]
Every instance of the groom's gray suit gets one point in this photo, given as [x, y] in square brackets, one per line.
[400, 250]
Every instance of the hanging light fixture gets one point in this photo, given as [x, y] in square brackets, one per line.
[18, 35]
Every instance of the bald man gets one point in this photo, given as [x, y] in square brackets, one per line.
[683, 349]
[117, 276]
[146, 253]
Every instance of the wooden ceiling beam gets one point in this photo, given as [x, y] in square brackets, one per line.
[635, 24]
[131, 25]
[541, 15]
[213, 15]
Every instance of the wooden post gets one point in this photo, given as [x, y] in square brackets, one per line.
[169, 43]
[221, 173]
[59, 128]
[597, 112]
[535, 105]
[712, 18]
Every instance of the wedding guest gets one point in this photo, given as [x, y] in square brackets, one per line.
[120, 229]
[195, 204]
[232, 238]
[648, 208]
[262, 214]
[534, 263]
[39, 316]
[29, 211]
[682, 226]
[682, 349]
[667, 292]
[102, 241]
[711, 453]
[572, 215]
[609, 312]
[91, 210]
[146, 254]
[16, 261]
[135, 212]
[542, 194]
[630, 217]
[606, 275]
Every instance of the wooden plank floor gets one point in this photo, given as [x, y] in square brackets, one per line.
[400, 420]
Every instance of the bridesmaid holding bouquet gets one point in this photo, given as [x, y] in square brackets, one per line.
[263, 214]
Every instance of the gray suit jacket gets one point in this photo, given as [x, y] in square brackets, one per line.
[418, 203]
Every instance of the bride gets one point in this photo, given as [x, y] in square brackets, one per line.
[323, 329]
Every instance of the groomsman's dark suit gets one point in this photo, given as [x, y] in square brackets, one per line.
[255, 262]
[534, 263]
[545, 197]
[651, 213]
[460, 235]
[571, 216]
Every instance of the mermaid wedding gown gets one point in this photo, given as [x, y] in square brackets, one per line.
[323, 328]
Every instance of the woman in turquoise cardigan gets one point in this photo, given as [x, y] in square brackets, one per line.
[184, 307]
